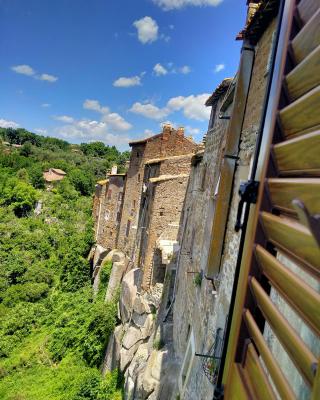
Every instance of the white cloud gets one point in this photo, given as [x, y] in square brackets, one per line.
[112, 120]
[159, 70]
[91, 130]
[147, 29]
[149, 110]
[95, 106]
[41, 131]
[4, 123]
[170, 68]
[48, 78]
[23, 69]
[148, 133]
[192, 106]
[185, 69]
[191, 131]
[64, 118]
[219, 68]
[127, 82]
[45, 105]
[176, 4]
[116, 122]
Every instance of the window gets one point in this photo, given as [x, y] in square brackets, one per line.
[139, 177]
[187, 364]
[107, 215]
[128, 228]
[118, 216]
[109, 194]
[120, 196]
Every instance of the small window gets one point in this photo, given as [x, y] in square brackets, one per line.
[139, 177]
[120, 196]
[138, 154]
[118, 216]
[109, 194]
[187, 364]
[107, 215]
[134, 204]
[128, 228]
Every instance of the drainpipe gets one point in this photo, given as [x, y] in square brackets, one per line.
[219, 390]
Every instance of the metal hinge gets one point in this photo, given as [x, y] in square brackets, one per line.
[248, 193]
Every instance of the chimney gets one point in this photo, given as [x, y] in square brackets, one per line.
[114, 170]
[180, 131]
[166, 131]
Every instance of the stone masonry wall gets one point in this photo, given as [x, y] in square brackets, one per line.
[210, 309]
[109, 225]
[169, 142]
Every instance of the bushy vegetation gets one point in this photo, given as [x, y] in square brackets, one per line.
[53, 332]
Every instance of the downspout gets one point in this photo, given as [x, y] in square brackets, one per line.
[219, 389]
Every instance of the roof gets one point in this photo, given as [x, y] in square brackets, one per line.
[145, 140]
[259, 17]
[162, 178]
[54, 174]
[124, 174]
[158, 160]
[197, 157]
[219, 91]
[58, 171]
[148, 139]
[103, 182]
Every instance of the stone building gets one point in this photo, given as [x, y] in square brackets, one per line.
[169, 142]
[165, 183]
[107, 208]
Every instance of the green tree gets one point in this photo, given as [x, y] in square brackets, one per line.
[20, 196]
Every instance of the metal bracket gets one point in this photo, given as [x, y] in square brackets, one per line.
[248, 193]
[218, 393]
[224, 116]
[312, 222]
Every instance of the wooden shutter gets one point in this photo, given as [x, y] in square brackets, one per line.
[229, 163]
[283, 219]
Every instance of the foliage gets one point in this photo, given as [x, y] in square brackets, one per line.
[53, 332]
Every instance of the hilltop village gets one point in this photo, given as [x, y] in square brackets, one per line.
[174, 228]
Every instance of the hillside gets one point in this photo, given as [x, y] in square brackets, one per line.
[53, 333]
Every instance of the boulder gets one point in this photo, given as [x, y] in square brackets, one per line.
[139, 360]
[139, 319]
[153, 296]
[118, 269]
[128, 293]
[126, 356]
[112, 355]
[141, 306]
[131, 337]
[147, 327]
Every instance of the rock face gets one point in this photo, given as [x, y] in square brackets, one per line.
[119, 264]
[150, 371]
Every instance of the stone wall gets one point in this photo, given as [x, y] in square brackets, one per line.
[201, 309]
[168, 143]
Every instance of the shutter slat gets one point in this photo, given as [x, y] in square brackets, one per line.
[307, 8]
[273, 368]
[292, 237]
[301, 297]
[291, 341]
[299, 156]
[283, 190]
[301, 114]
[305, 76]
[307, 39]
[257, 375]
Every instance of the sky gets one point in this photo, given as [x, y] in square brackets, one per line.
[114, 70]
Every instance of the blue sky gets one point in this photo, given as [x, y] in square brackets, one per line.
[114, 70]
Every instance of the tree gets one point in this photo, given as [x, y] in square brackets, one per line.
[26, 150]
[20, 196]
[82, 181]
